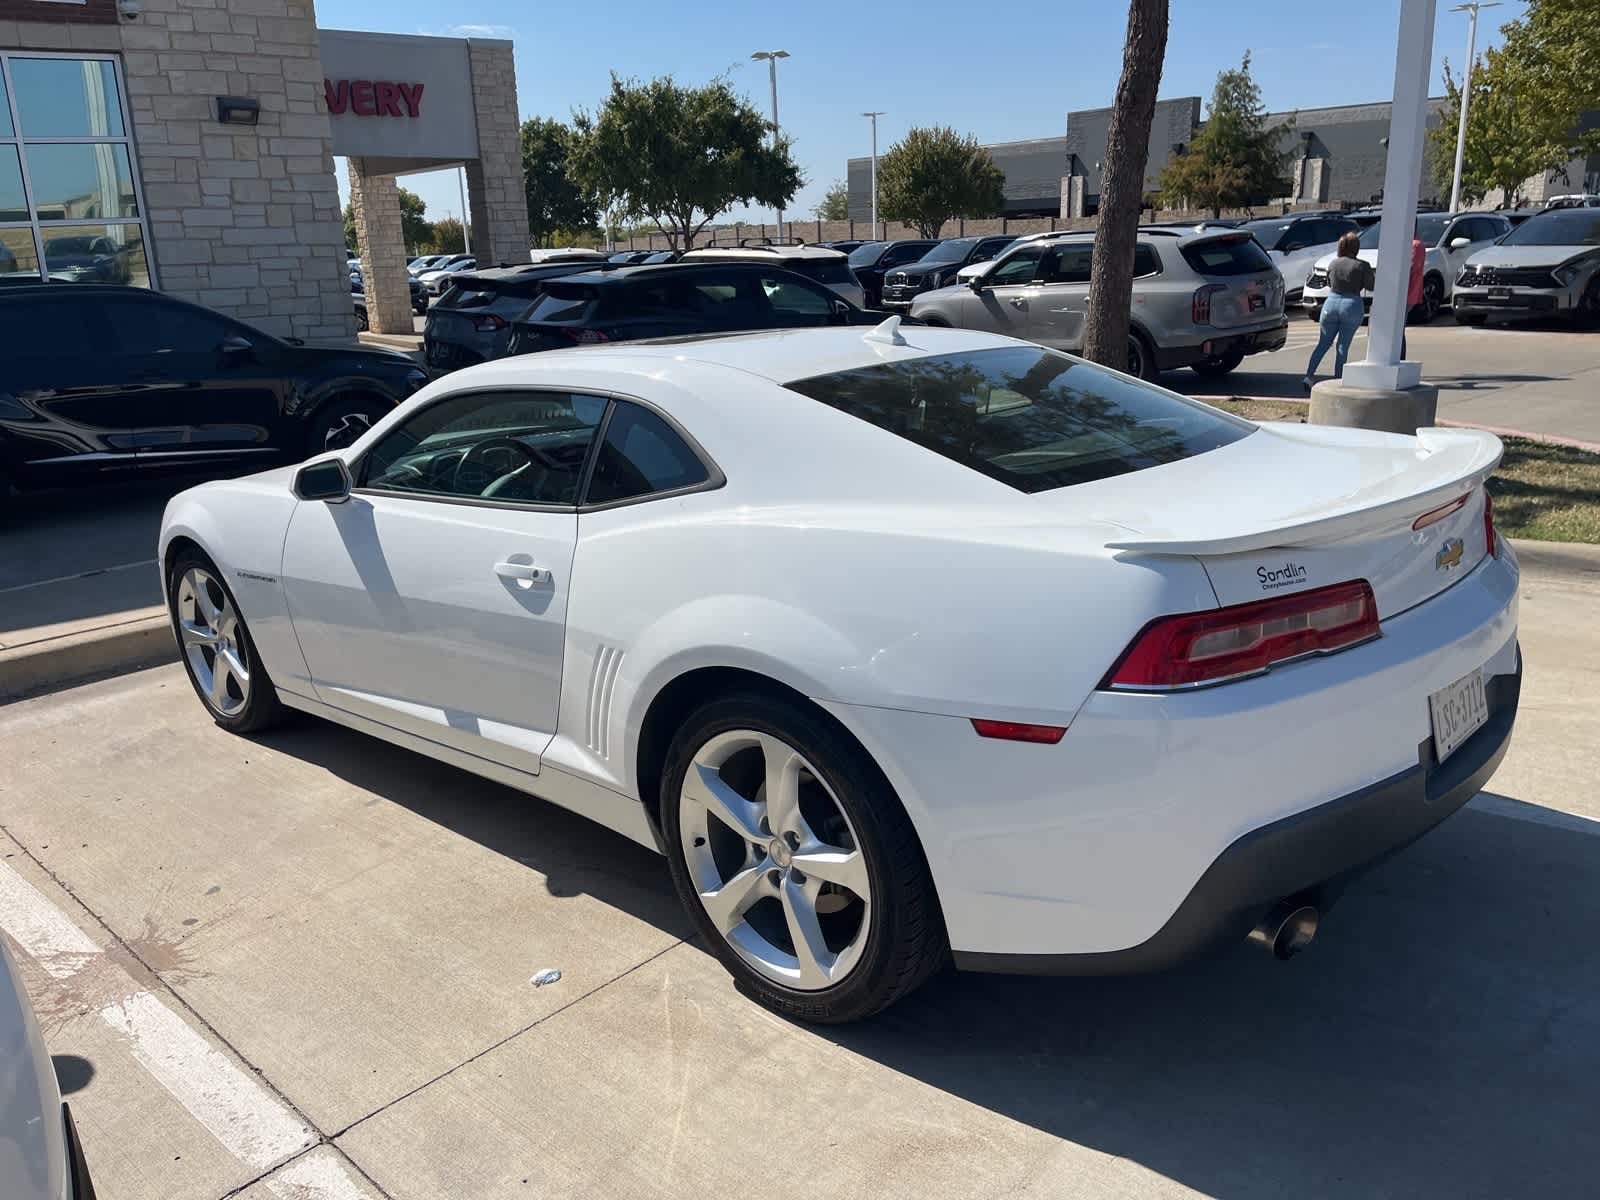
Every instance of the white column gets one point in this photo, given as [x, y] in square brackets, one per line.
[1413, 66]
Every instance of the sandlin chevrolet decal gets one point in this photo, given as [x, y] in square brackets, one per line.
[1449, 555]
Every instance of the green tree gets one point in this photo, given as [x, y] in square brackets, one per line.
[1235, 160]
[1529, 96]
[448, 237]
[556, 201]
[679, 155]
[835, 203]
[414, 226]
[932, 175]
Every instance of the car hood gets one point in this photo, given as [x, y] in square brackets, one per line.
[365, 359]
[1529, 256]
[32, 1139]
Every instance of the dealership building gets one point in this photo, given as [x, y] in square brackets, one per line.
[188, 145]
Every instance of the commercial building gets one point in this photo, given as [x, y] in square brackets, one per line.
[1032, 169]
[188, 145]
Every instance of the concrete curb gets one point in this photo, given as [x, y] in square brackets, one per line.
[142, 639]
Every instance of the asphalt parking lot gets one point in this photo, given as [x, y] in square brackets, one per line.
[299, 967]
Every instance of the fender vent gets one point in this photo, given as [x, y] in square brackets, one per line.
[602, 682]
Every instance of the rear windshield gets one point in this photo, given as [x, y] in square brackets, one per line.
[866, 254]
[1032, 418]
[1227, 256]
[822, 270]
[1564, 227]
[563, 302]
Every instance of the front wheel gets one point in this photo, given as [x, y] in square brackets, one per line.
[1432, 301]
[340, 422]
[1587, 313]
[218, 653]
[796, 861]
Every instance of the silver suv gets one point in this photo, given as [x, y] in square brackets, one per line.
[1201, 300]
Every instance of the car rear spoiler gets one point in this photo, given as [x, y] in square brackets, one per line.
[1450, 463]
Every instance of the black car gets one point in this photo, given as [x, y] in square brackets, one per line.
[849, 246]
[937, 268]
[419, 297]
[674, 300]
[98, 378]
[872, 260]
[471, 322]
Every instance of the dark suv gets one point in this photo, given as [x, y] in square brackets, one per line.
[97, 378]
[937, 268]
[872, 260]
[675, 300]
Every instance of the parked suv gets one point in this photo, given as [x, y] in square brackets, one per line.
[818, 264]
[1548, 266]
[471, 322]
[938, 267]
[1201, 300]
[98, 378]
[1450, 239]
[871, 261]
[676, 300]
[1296, 241]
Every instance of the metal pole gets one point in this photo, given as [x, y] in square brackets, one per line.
[772, 69]
[1466, 96]
[873, 117]
[466, 225]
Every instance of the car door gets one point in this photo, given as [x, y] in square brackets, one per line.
[434, 600]
[1060, 306]
[1003, 302]
[205, 384]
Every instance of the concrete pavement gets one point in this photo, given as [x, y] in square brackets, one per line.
[342, 936]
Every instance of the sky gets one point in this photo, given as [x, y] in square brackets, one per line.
[1001, 75]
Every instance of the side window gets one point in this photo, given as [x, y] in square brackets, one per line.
[1015, 268]
[790, 298]
[902, 253]
[55, 330]
[641, 455]
[1067, 264]
[512, 446]
[145, 326]
[1296, 237]
[1145, 260]
[987, 250]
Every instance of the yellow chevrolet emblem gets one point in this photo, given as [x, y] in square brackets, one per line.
[1449, 555]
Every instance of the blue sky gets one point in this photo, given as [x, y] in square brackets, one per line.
[1001, 74]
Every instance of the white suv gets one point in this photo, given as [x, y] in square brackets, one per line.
[817, 263]
[1202, 300]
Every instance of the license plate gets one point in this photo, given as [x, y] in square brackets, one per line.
[1499, 293]
[1257, 303]
[1458, 711]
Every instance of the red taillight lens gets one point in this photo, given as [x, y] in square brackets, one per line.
[488, 323]
[1200, 307]
[1018, 731]
[585, 337]
[1244, 639]
[1488, 525]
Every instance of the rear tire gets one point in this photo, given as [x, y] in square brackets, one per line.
[872, 922]
[340, 421]
[1432, 301]
[1142, 358]
[218, 653]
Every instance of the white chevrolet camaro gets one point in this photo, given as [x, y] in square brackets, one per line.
[902, 645]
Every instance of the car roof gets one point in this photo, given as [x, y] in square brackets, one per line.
[620, 273]
[760, 253]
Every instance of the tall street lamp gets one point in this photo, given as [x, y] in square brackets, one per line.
[1466, 94]
[772, 57]
[873, 117]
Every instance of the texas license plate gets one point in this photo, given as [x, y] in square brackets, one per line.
[1458, 711]
[1499, 293]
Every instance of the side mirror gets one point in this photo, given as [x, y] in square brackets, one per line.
[236, 349]
[841, 313]
[1457, 242]
[976, 283]
[327, 479]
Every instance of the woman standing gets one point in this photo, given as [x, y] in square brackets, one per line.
[1342, 311]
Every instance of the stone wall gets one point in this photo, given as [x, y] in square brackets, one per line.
[375, 206]
[495, 193]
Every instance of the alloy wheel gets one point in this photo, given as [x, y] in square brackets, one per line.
[774, 860]
[213, 641]
[1136, 365]
[346, 430]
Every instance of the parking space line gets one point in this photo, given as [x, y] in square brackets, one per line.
[251, 1123]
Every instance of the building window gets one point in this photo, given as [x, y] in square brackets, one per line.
[70, 207]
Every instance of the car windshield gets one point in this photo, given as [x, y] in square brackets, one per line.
[1027, 416]
[822, 270]
[867, 254]
[1430, 228]
[1564, 227]
[954, 250]
[563, 302]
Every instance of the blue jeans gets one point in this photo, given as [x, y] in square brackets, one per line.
[1341, 317]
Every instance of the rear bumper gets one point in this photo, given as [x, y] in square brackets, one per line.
[1258, 340]
[1309, 856]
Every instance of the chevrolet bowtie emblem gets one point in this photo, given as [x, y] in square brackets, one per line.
[1449, 555]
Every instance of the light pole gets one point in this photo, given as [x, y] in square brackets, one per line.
[1466, 94]
[772, 57]
[873, 117]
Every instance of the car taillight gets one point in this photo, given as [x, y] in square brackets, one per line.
[1488, 525]
[1191, 649]
[1200, 307]
[488, 323]
[585, 337]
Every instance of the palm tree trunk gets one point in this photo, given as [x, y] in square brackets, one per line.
[1122, 186]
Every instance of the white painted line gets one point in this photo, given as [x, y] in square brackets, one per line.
[1518, 810]
[41, 929]
[317, 1176]
[241, 1114]
[251, 1123]
[18, 587]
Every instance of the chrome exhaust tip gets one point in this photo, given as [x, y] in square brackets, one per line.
[1286, 930]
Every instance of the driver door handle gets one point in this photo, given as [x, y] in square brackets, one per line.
[522, 572]
[1018, 302]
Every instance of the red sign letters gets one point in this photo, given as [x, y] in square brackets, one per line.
[373, 98]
